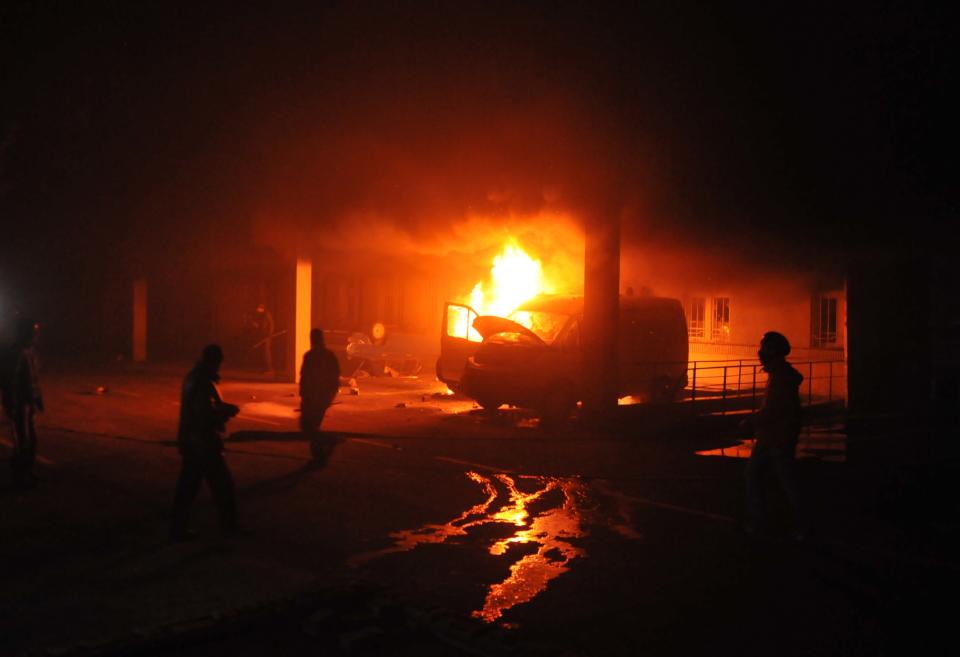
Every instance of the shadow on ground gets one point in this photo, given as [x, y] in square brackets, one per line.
[322, 443]
[268, 436]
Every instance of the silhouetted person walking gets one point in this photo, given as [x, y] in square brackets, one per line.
[776, 427]
[319, 382]
[203, 420]
[22, 400]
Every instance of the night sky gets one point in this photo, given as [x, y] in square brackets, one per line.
[129, 129]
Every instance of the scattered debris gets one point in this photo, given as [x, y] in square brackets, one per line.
[351, 383]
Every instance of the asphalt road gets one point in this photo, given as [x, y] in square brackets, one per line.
[424, 526]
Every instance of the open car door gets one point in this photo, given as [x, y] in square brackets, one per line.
[458, 341]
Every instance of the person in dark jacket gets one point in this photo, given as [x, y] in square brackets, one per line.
[203, 420]
[22, 400]
[776, 428]
[319, 382]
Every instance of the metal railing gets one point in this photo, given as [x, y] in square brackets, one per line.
[738, 385]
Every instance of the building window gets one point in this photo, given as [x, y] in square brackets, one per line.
[720, 324]
[823, 322]
[698, 317]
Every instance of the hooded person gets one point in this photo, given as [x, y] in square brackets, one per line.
[319, 382]
[203, 420]
[776, 428]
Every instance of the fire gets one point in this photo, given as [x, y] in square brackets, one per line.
[514, 278]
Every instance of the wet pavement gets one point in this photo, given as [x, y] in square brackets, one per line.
[542, 518]
[422, 525]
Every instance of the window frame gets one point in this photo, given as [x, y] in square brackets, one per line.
[824, 315]
[720, 319]
[697, 322]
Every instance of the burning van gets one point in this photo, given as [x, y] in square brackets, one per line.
[534, 358]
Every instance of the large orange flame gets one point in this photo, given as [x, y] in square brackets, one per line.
[514, 278]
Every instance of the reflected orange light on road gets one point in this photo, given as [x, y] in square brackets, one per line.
[564, 509]
[552, 531]
[409, 539]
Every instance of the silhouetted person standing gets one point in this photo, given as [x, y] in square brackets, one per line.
[263, 328]
[203, 419]
[776, 427]
[22, 400]
[319, 382]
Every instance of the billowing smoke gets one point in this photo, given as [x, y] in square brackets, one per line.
[459, 184]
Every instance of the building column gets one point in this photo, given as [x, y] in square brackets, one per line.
[302, 313]
[601, 310]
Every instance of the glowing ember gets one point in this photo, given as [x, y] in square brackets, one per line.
[514, 278]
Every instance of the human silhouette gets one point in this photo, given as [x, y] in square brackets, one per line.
[203, 420]
[776, 427]
[319, 382]
[22, 400]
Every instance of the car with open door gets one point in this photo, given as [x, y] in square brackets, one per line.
[458, 341]
[534, 358]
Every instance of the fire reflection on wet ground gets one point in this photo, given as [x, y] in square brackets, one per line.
[566, 509]
[552, 531]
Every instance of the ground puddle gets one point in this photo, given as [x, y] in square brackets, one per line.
[565, 510]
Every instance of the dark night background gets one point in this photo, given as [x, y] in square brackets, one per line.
[132, 134]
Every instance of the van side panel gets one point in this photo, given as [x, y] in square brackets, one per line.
[653, 347]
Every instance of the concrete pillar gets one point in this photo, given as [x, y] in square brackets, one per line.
[889, 362]
[139, 341]
[302, 313]
[601, 310]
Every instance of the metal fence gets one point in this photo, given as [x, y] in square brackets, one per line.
[738, 385]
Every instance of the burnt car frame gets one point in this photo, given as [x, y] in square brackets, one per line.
[535, 359]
